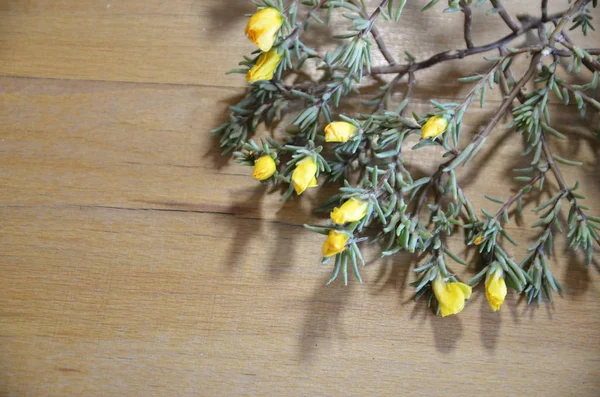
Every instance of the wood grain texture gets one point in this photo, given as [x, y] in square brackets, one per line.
[135, 261]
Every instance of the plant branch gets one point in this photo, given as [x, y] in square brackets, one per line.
[509, 78]
[302, 26]
[565, 18]
[467, 26]
[506, 206]
[583, 95]
[488, 129]
[388, 92]
[459, 54]
[382, 47]
[552, 163]
[434, 180]
[544, 10]
[562, 183]
[592, 51]
[508, 20]
[372, 19]
[376, 35]
[409, 91]
[509, 99]
[591, 64]
[555, 169]
[567, 53]
[504, 86]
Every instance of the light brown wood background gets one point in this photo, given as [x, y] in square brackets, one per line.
[135, 261]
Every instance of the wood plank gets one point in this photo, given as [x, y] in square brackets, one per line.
[109, 224]
[186, 41]
[136, 261]
[104, 301]
[141, 41]
[148, 146]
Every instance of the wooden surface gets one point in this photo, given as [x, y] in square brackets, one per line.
[135, 261]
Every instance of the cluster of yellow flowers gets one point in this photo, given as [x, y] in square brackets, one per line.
[304, 175]
[353, 210]
[451, 296]
[262, 30]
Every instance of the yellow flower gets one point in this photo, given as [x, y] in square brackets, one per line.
[339, 131]
[304, 176]
[264, 168]
[451, 296]
[262, 28]
[478, 240]
[433, 127]
[264, 68]
[335, 243]
[352, 210]
[495, 290]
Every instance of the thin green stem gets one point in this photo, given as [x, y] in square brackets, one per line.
[508, 100]
[575, 7]
[376, 34]
[513, 199]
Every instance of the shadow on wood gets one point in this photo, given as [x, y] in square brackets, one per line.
[323, 320]
[393, 273]
[227, 13]
[243, 235]
[219, 160]
[490, 324]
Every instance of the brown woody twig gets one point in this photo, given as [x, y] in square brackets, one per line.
[459, 54]
[508, 20]
[468, 18]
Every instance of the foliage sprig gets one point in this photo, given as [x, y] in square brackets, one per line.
[382, 198]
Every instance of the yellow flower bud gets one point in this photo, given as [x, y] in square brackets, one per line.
[339, 131]
[352, 210]
[264, 68]
[335, 243]
[262, 28]
[304, 176]
[495, 290]
[451, 296]
[264, 168]
[478, 240]
[433, 127]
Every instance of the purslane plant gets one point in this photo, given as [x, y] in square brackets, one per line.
[379, 200]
